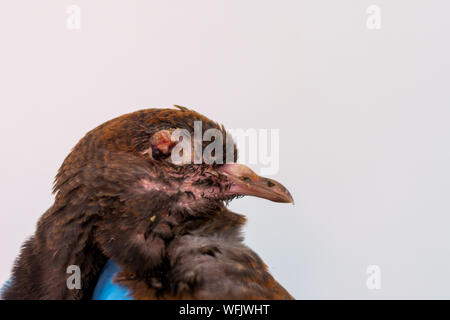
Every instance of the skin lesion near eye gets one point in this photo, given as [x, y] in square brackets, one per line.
[161, 144]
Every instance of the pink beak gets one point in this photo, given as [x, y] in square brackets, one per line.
[247, 182]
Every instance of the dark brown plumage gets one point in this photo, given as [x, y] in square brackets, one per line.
[119, 196]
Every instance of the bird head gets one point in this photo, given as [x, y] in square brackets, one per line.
[127, 189]
[149, 138]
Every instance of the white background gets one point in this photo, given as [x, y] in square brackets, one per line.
[363, 118]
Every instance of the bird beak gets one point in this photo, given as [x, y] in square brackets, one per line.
[246, 182]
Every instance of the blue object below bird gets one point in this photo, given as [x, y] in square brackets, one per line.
[106, 289]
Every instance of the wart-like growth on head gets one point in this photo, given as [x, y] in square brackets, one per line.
[161, 144]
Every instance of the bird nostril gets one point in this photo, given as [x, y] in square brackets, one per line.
[270, 183]
[246, 179]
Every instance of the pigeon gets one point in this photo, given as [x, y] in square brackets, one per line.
[121, 196]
